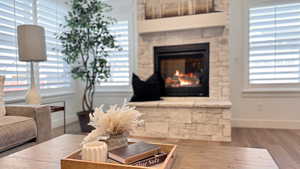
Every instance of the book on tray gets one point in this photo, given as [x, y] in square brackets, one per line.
[134, 152]
[151, 161]
[148, 162]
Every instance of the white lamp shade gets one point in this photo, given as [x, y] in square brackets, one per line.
[31, 43]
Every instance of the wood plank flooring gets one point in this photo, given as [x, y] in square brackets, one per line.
[284, 145]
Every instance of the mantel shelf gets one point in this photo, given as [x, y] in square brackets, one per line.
[216, 19]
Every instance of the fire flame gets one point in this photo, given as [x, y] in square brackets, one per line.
[185, 82]
[184, 79]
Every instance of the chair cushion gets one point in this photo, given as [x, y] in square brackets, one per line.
[16, 130]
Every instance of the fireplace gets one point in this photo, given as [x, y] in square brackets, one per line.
[184, 69]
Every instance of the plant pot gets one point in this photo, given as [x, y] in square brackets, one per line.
[84, 120]
[116, 141]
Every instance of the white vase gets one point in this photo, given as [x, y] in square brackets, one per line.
[33, 93]
[94, 151]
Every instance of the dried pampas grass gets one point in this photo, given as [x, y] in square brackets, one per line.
[117, 120]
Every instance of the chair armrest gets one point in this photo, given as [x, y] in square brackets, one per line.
[41, 115]
[22, 110]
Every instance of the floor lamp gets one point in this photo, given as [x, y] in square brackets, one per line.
[32, 48]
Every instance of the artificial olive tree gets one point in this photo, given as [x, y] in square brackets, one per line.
[86, 40]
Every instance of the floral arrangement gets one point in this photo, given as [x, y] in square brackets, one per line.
[117, 120]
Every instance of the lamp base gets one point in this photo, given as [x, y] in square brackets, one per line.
[33, 96]
[33, 93]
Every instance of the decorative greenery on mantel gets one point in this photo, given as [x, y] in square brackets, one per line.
[85, 40]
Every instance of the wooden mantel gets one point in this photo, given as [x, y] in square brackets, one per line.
[216, 19]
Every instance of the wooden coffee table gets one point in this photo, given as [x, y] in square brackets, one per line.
[48, 155]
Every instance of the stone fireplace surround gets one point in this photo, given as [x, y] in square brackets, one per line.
[188, 117]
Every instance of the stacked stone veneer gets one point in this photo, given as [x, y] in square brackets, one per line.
[190, 118]
[186, 120]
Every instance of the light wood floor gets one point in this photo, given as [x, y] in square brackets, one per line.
[284, 145]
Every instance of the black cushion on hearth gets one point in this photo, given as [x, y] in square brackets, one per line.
[149, 90]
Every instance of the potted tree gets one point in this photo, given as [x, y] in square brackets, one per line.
[86, 40]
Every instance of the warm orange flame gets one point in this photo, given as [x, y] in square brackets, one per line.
[184, 79]
[185, 82]
[177, 73]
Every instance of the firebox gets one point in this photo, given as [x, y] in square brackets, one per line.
[184, 69]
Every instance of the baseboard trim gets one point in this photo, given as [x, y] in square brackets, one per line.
[60, 122]
[272, 124]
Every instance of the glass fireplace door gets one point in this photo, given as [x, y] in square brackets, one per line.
[184, 69]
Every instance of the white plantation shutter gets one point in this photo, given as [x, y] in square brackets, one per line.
[54, 72]
[274, 44]
[119, 59]
[12, 14]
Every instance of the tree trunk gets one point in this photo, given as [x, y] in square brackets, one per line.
[88, 97]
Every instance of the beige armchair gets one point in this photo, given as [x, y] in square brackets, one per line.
[24, 123]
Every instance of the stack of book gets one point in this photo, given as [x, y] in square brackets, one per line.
[138, 154]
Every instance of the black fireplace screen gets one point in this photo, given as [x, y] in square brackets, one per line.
[184, 69]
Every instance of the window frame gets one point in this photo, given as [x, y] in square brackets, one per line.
[132, 46]
[261, 88]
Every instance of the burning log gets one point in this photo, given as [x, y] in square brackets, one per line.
[182, 80]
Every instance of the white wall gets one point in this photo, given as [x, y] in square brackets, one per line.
[72, 107]
[256, 109]
[110, 98]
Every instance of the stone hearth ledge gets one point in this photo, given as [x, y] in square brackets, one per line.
[181, 103]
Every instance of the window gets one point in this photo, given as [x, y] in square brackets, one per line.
[119, 60]
[12, 14]
[274, 44]
[49, 14]
[53, 72]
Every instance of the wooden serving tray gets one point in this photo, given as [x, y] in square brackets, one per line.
[74, 161]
